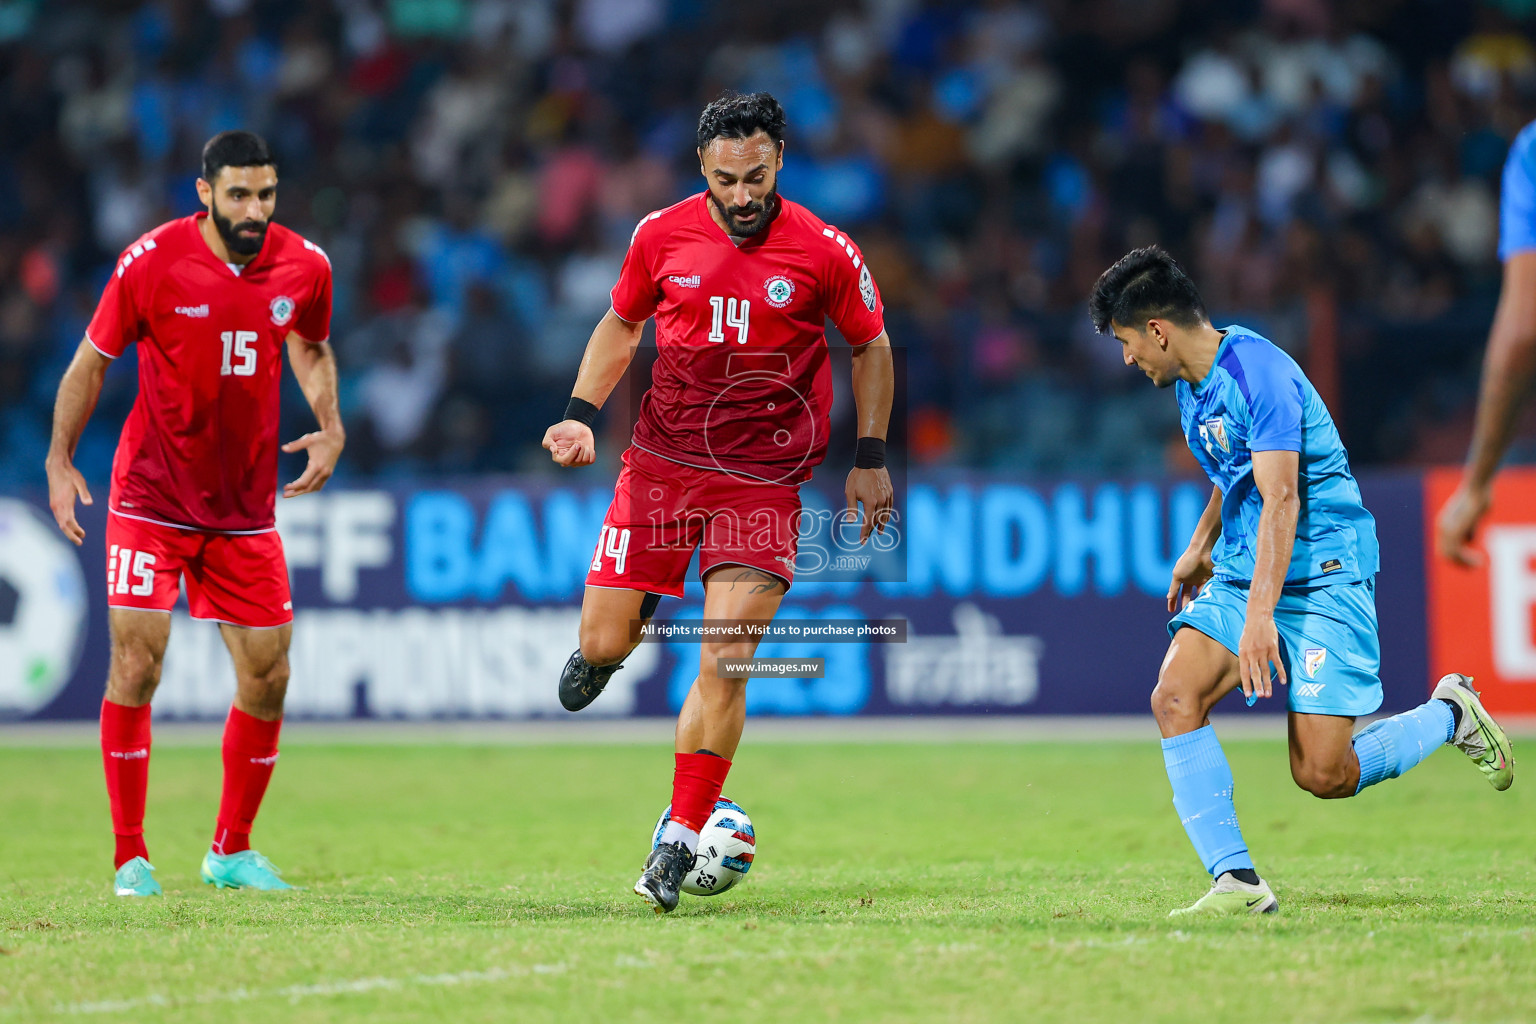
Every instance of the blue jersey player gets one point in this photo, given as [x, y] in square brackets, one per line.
[1509, 364]
[1277, 584]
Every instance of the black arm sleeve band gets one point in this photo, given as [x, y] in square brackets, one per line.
[581, 410]
[869, 453]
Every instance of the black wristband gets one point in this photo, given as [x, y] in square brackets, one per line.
[581, 410]
[869, 453]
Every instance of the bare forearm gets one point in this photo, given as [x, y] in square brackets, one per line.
[1272, 553]
[314, 366]
[1208, 529]
[609, 352]
[1507, 373]
[1508, 369]
[874, 385]
[76, 399]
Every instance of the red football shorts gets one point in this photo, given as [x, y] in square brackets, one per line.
[241, 579]
[662, 510]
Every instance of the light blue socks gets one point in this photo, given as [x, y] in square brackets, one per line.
[1202, 794]
[1390, 747]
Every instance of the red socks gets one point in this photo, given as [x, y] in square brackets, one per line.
[696, 784]
[125, 758]
[250, 752]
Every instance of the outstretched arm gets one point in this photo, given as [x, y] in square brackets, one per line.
[1194, 567]
[609, 352]
[874, 384]
[1508, 367]
[1275, 473]
[314, 364]
[76, 399]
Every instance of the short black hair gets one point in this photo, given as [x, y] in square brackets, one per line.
[235, 149]
[1143, 284]
[738, 116]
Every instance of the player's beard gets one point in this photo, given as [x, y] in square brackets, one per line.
[765, 209]
[236, 243]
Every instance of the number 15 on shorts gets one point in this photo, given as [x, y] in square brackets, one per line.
[614, 543]
[121, 562]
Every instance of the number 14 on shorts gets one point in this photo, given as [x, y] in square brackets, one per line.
[613, 543]
[124, 565]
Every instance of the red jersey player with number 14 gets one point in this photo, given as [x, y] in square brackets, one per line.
[211, 300]
[741, 283]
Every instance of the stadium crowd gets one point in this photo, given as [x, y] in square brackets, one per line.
[474, 168]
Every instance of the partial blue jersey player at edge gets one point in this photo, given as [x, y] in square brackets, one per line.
[1257, 399]
[1517, 196]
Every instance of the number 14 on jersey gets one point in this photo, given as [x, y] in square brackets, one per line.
[734, 313]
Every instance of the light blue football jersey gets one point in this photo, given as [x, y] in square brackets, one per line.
[1257, 399]
[1517, 195]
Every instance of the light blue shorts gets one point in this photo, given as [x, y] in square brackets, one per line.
[1327, 640]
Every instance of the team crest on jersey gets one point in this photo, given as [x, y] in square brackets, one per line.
[282, 310]
[1313, 661]
[867, 287]
[1214, 430]
[780, 290]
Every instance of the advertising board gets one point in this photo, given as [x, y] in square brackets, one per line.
[461, 600]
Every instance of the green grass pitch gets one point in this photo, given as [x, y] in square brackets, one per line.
[955, 882]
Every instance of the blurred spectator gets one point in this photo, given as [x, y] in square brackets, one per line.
[475, 168]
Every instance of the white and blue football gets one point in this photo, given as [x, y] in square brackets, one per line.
[726, 847]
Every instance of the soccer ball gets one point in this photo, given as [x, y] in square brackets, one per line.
[726, 847]
[42, 610]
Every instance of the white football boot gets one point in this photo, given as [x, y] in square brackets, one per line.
[1229, 895]
[1478, 736]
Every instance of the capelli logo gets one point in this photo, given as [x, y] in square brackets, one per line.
[685, 282]
[131, 755]
[198, 311]
[265, 760]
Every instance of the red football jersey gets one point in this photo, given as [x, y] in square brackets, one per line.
[742, 382]
[199, 448]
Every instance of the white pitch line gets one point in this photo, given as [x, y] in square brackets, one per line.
[293, 993]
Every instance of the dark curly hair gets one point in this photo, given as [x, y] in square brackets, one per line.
[738, 116]
[1143, 284]
[235, 149]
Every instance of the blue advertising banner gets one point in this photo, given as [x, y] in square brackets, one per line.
[461, 600]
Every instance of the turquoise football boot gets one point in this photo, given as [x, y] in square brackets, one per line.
[136, 878]
[244, 870]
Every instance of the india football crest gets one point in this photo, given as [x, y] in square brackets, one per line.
[780, 290]
[1214, 431]
[1313, 660]
[282, 310]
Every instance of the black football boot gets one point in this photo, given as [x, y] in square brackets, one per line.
[662, 880]
[581, 681]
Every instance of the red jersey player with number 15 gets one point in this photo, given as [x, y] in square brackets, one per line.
[211, 300]
[741, 283]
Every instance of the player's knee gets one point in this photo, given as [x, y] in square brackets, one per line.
[1175, 705]
[605, 644]
[276, 677]
[1324, 781]
[267, 687]
[714, 654]
[135, 669]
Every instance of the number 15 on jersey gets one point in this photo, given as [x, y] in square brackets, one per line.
[237, 345]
